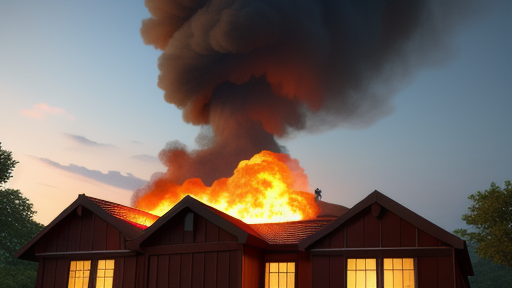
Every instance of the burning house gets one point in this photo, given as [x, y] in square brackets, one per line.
[248, 73]
[376, 243]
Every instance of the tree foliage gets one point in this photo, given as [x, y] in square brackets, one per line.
[490, 216]
[6, 165]
[17, 227]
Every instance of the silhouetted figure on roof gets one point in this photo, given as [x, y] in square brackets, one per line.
[318, 194]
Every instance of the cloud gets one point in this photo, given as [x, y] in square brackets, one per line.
[112, 178]
[145, 158]
[43, 110]
[85, 142]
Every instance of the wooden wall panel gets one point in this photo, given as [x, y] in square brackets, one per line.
[426, 240]
[162, 280]
[74, 234]
[427, 272]
[337, 238]
[50, 267]
[337, 271]
[112, 238]
[226, 236]
[355, 232]
[390, 230]
[223, 269]
[52, 239]
[86, 230]
[62, 273]
[210, 269]
[212, 232]
[445, 277]
[141, 271]
[371, 231]
[178, 227]
[119, 272]
[62, 241]
[253, 270]
[407, 234]
[305, 270]
[129, 272]
[198, 270]
[153, 272]
[174, 270]
[199, 229]
[321, 271]
[40, 271]
[235, 268]
[99, 235]
[186, 270]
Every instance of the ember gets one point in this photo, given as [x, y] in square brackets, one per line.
[264, 189]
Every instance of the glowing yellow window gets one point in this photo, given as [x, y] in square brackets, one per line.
[79, 272]
[105, 274]
[280, 275]
[361, 273]
[398, 273]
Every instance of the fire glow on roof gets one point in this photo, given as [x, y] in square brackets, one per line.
[136, 217]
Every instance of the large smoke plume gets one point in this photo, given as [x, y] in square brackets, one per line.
[249, 71]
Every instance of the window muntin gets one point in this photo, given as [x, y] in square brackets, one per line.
[79, 272]
[280, 275]
[105, 274]
[398, 273]
[361, 273]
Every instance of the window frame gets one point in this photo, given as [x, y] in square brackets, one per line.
[266, 284]
[380, 269]
[93, 272]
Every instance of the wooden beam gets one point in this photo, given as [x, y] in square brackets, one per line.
[192, 248]
[399, 252]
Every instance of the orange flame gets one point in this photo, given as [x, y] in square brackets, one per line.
[263, 189]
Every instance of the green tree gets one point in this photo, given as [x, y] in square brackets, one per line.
[17, 227]
[490, 216]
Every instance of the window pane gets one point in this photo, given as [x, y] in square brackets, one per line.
[79, 274]
[371, 264]
[409, 279]
[105, 273]
[388, 279]
[361, 264]
[101, 264]
[291, 279]
[360, 279]
[397, 279]
[274, 267]
[282, 267]
[397, 263]
[351, 279]
[388, 263]
[110, 264]
[291, 266]
[274, 280]
[371, 279]
[408, 263]
[351, 264]
[400, 274]
[282, 280]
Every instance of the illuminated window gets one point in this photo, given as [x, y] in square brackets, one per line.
[105, 274]
[280, 275]
[79, 274]
[361, 273]
[398, 273]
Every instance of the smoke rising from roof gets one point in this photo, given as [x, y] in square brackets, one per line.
[250, 71]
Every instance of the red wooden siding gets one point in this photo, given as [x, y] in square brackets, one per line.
[172, 232]
[208, 269]
[366, 231]
[387, 231]
[253, 270]
[75, 233]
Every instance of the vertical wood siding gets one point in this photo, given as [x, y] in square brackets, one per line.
[389, 230]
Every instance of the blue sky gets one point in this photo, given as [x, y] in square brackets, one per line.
[80, 109]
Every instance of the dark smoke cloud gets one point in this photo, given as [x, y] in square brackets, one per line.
[250, 71]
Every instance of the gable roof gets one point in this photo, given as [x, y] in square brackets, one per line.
[395, 207]
[242, 231]
[112, 213]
